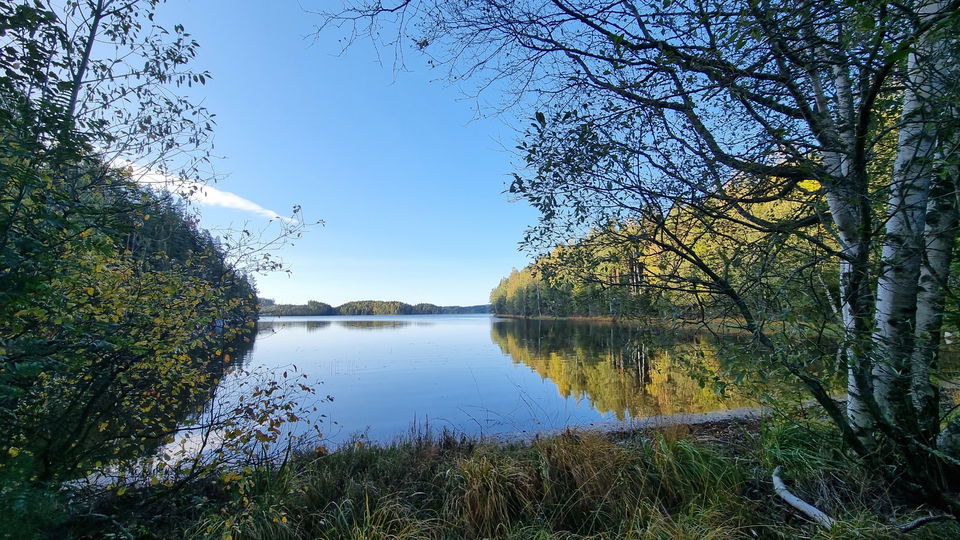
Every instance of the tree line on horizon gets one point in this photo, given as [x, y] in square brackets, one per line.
[364, 307]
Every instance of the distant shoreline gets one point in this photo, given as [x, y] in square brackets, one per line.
[676, 326]
[314, 308]
[376, 314]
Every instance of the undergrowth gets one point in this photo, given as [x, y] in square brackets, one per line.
[656, 484]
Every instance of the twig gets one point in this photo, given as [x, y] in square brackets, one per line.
[798, 503]
[919, 522]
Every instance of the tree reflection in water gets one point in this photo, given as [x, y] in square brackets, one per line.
[268, 326]
[374, 325]
[627, 371]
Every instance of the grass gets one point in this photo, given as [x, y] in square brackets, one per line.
[658, 484]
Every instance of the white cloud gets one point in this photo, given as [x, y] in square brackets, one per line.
[198, 193]
[211, 196]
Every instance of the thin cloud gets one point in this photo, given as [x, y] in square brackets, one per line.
[199, 193]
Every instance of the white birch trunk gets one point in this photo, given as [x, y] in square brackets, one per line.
[897, 284]
[903, 247]
[940, 234]
[853, 295]
[842, 195]
[856, 298]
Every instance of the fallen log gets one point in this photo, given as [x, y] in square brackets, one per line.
[805, 508]
[826, 521]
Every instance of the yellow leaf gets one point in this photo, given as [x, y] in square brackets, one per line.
[809, 185]
[13, 451]
[231, 477]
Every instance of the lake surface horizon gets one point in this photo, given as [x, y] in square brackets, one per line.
[480, 375]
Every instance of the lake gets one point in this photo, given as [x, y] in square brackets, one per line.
[483, 375]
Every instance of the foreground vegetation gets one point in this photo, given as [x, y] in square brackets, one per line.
[118, 314]
[711, 482]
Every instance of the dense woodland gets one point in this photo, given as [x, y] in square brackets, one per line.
[613, 272]
[365, 307]
[118, 313]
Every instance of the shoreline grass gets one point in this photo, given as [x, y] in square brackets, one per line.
[698, 482]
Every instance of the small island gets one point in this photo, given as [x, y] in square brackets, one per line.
[269, 308]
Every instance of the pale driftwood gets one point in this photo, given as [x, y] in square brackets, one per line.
[798, 503]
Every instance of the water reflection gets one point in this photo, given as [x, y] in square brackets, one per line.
[374, 325]
[626, 371]
[482, 375]
[273, 325]
[267, 326]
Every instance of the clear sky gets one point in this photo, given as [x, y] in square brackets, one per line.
[407, 180]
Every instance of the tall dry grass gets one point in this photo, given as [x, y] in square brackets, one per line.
[573, 485]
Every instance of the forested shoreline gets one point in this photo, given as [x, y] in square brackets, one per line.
[364, 307]
[617, 271]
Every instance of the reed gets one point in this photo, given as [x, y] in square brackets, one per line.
[654, 484]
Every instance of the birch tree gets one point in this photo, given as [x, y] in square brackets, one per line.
[648, 108]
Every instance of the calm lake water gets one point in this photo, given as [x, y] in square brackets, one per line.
[483, 375]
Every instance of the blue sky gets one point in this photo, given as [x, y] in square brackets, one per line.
[407, 180]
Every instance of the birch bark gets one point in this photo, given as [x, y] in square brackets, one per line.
[896, 373]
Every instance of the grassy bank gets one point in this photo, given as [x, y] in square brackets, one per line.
[709, 481]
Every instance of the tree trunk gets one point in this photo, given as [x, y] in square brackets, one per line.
[843, 197]
[896, 374]
[940, 234]
[855, 300]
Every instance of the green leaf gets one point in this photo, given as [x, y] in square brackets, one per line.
[898, 55]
